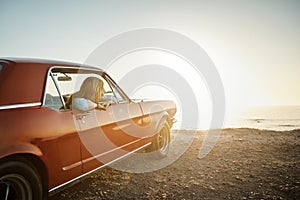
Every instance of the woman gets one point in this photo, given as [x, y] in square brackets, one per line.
[89, 96]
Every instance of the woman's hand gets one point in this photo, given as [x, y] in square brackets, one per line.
[101, 106]
[104, 105]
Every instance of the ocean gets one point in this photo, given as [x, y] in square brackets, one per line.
[278, 118]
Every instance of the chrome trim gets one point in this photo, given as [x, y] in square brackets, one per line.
[57, 187]
[76, 66]
[174, 120]
[21, 105]
[77, 164]
[99, 155]
[58, 90]
[45, 87]
[110, 151]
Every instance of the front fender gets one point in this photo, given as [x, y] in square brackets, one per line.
[162, 119]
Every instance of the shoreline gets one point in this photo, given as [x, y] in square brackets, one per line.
[232, 129]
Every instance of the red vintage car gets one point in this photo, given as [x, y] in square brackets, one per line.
[45, 145]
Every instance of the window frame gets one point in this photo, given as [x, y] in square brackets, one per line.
[99, 72]
[112, 85]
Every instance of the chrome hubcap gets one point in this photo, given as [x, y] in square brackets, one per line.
[163, 140]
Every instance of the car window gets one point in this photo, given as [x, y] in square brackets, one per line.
[69, 83]
[66, 82]
[116, 92]
[52, 97]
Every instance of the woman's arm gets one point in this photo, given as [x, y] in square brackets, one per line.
[83, 104]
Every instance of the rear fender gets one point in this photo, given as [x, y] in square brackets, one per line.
[20, 149]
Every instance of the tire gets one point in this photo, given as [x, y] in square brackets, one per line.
[161, 144]
[18, 180]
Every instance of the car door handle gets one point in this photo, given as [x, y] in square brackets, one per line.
[81, 116]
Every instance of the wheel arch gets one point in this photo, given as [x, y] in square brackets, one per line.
[164, 117]
[40, 166]
[34, 161]
[20, 148]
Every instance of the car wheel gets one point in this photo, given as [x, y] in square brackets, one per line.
[161, 143]
[19, 181]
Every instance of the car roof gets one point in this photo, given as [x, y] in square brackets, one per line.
[46, 62]
[22, 80]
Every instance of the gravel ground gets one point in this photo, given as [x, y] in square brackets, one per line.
[244, 164]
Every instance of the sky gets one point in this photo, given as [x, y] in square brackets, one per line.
[255, 45]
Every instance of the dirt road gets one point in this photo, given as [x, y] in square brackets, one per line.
[244, 164]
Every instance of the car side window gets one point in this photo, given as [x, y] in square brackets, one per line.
[116, 92]
[63, 83]
[52, 98]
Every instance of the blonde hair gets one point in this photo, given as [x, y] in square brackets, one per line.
[91, 89]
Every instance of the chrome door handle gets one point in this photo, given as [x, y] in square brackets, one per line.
[81, 116]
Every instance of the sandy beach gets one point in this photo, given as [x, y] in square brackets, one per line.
[244, 164]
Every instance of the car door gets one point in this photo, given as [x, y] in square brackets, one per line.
[110, 134]
[63, 147]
